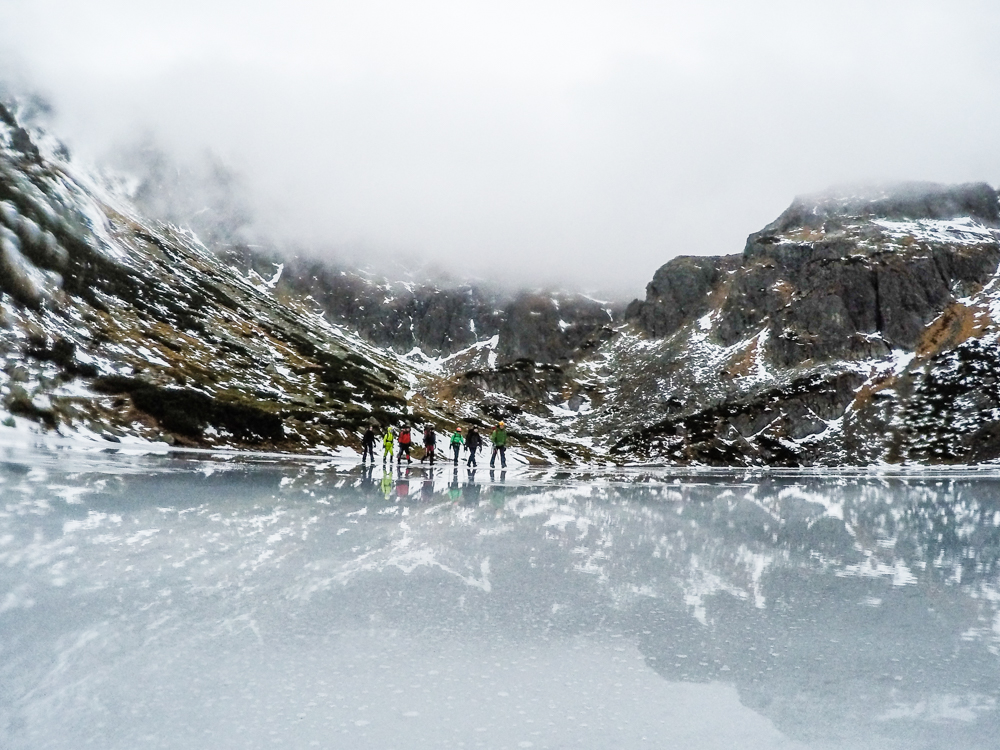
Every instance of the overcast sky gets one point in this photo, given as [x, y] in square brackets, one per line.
[576, 142]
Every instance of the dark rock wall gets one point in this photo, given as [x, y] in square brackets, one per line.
[829, 282]
[679, 293]
[846, 291]
[443, 320]
[440, 321]
[553, 329]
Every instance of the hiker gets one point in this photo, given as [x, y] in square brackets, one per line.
[430, 439]
[457, 441]
[368, 444]
[499, 440]
[473, 443]
[387, 440]
[404, 444]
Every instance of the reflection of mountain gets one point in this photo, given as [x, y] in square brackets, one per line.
[857, 610]
[847, 634]
[863, 609]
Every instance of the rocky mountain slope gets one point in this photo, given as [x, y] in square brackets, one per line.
[118, 328]
[857, 328]
[121, 327]
[437, 318]
[854, 328]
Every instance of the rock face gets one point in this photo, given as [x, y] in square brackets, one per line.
[835, 337]
[679, 293]
[835, 280]
[443, 320]
[554, 328]
[400, 316]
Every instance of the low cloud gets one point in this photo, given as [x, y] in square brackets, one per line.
[574, 143]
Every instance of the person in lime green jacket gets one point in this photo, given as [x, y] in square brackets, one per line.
[457, 441]
[387, 440]
[499, 440]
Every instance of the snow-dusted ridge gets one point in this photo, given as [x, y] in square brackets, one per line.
[854, 329]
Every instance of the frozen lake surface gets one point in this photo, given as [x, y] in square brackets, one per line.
[170, 602]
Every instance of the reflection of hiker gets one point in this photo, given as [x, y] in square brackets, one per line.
[402, 488]
[386, 483]
[473, 442]
[367, 478]
[497, 491]
[404, 444]
[368, 444]
[387, 440]
[427, 488]
[430, 439]
[454, 488]
[457, 441]
[470, 493]
[499, 440]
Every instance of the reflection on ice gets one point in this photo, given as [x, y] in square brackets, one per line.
[181, 603]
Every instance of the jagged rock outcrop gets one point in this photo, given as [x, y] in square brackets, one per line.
[836, 278]
[438, 320]
[679, 293]
[854, 328]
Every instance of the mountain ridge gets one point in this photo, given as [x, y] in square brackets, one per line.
[858, 327]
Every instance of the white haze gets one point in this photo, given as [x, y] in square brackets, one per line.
[578, 143]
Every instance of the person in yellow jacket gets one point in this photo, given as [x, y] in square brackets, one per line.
[387, 440]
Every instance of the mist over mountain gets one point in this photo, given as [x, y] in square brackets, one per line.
[534, 145]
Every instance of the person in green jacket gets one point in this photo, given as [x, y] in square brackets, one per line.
[387, 441]
[499, 440]
[457, 441]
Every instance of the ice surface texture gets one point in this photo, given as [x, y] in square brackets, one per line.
[186, 604]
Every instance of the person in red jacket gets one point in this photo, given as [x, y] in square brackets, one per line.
[404, 445]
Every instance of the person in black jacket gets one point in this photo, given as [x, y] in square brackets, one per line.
[430, 444]
[368, 444]
[473, 441]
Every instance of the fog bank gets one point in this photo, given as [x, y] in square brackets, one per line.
[574, 143]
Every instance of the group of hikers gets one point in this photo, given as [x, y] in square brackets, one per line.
[472, 442]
